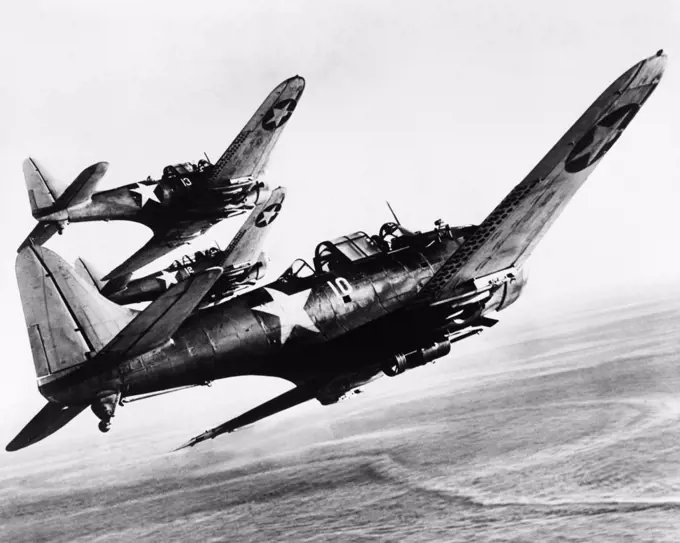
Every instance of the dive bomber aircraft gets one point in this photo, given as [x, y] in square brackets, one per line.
[367, 306]
[243, 261]
[183, 204]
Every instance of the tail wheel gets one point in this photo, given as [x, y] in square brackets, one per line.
[104, 426]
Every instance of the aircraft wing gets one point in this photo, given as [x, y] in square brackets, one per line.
[161, 319]
[246, 246]
[247, 156]
[164, 240]
[509, 234]
[285, 401]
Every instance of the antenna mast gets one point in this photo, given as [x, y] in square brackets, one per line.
[393, 213]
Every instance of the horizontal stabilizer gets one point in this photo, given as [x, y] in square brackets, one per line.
[83, 186]
[40, 235]
[161, 319]
[51, 418]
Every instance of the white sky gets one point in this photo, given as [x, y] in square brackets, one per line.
[439, 106]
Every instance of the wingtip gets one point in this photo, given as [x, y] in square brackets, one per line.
[183, 446]
[98, 168]
[188, 444]
[650, 69]
[660, 58]
[297, 81]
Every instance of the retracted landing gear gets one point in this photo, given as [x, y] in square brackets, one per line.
[105, 407]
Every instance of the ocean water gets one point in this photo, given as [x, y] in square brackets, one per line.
[568, 431]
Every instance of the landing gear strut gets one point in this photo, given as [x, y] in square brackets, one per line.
[105, 407]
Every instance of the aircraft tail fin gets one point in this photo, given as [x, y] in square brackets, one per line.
[43, 191]
[87, 272]
[49, 419]
[46, 196]
[107, 288]
[67, 319]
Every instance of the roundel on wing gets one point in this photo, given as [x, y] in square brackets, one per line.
[600, 138]
[279, 114]
[267, 215]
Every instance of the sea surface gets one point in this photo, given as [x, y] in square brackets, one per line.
[559, 429]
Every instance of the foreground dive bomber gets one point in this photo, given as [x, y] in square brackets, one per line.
[367, 306]
[184, 203]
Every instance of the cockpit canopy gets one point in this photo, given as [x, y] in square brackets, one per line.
[341, 252]
[344, 250]
[198, 256]
[184, 169]
[178, 170]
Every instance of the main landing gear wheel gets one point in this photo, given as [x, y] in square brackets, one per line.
[105, 426]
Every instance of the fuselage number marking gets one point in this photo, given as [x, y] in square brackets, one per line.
[341, 288]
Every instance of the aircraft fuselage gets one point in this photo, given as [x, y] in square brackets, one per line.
[151, 286]
[154, 203]
[290, 328]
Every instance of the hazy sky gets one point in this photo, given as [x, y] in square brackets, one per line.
[439, 106]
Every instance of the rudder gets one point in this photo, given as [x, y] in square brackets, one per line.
[43, 191]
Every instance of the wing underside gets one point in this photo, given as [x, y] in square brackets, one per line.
[285, 401]
[248, 154]
[509, 234]
[246, 246]
[163, 241]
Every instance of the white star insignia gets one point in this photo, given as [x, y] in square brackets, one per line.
[147, 192]
[268, 213]
[169, 278]
[601, 137]
[278, 114]
[290, 310]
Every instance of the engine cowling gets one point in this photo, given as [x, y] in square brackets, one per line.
[400, 362]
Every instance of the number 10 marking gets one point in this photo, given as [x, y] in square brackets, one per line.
[341, 288]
